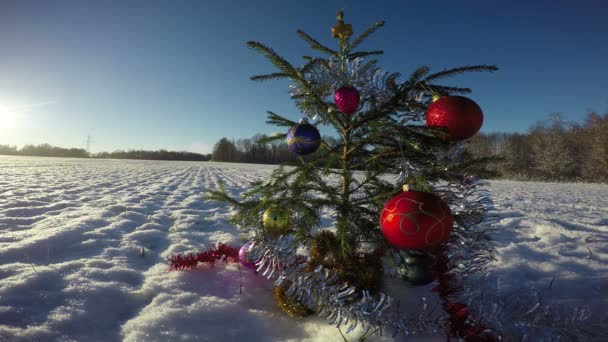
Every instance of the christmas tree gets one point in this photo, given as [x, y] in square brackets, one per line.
[425, 225]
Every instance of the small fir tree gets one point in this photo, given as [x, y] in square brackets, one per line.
[379, 119]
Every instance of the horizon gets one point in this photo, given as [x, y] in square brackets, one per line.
[159, 75]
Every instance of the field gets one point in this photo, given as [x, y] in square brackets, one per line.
[83, 248]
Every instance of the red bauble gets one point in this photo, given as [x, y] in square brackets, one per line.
[347, 99]
[416, 220]
[461, 116]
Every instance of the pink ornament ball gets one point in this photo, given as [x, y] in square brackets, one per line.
[244, 259]
[347, 99]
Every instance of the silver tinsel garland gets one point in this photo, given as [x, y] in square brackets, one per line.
[321, 290]
[470, 248]
[517, 315]
[369, 80]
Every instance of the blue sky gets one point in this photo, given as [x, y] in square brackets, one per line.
[175, 74]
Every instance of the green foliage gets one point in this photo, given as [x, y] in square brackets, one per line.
[220, 195]
[277, 60]
[365, 54]
[460, 70]
[363, 270]
[312, 63]
[366, 34]
[277, 120]
[273, 76]
[417, 75]
[272, 138]
[315, 45]
[375, 141]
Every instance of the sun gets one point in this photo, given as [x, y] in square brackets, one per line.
[8, 118]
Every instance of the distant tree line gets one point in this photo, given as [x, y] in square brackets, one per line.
[552, 150]
[154, 155]
[43, 150]
[46, 150]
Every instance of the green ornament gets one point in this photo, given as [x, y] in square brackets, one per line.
[418, 269]
[277, 220]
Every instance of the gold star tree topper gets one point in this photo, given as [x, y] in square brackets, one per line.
[341, 30]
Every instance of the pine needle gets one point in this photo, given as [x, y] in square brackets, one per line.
[366, 34]
[315, 44]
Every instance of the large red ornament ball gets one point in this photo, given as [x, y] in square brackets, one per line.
[461, 116]
[347, 99]
[416, 220]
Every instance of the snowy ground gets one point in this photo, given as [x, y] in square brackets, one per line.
[72, 233]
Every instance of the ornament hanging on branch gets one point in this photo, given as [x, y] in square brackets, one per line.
[416, 220]
[276, 220]
[417, 269]
[244, 258]
[303, 138]
[461, 117]
[347, 99]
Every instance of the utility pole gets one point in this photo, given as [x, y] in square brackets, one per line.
[89, 140]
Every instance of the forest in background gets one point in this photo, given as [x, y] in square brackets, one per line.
[551, 150]
[46, 150]
[43, 150]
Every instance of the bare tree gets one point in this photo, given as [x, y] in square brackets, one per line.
[595, 164]
[553, 155]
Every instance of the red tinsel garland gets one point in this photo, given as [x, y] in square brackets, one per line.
[222, 252]
[448, 287]
[449, 290]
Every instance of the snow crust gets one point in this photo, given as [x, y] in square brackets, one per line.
[84, 243]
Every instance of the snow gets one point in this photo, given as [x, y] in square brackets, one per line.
[553, 238]
[84, 243]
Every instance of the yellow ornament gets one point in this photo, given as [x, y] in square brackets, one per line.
[276, 220]
[341, 30]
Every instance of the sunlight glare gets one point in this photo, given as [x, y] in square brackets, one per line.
[8, 118]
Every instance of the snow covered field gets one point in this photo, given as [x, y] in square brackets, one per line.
[83, 248]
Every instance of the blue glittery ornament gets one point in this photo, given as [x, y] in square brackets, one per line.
[303, 138]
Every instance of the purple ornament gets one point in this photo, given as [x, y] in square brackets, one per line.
[347, 99]
[303, 138]
[245, 261]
